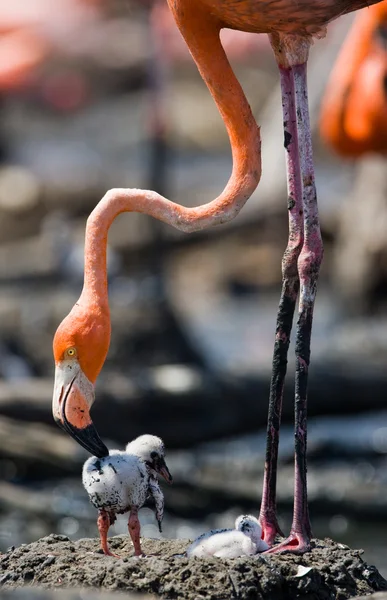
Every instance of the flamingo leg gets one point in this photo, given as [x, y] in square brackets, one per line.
[134, 531]
[290, 288]
[104, 523]
[309, 262]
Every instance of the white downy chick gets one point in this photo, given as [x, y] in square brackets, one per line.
[244, 540]
[122, 481]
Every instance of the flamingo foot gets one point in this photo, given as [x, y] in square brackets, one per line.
[107, 552]
[270, 529]
[298, 543]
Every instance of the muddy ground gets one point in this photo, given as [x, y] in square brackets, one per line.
[329, 571]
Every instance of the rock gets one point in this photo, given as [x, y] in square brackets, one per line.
[329, 570]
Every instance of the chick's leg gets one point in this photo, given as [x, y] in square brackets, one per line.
[104, 523]
[134, 531]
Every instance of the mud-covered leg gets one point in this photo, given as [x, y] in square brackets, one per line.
[134, 531]
[309, 263]
[290, 288]
[104, 523]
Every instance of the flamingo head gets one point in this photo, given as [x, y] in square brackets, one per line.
[80, 346]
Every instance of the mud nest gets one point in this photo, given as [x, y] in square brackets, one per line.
[328, 571]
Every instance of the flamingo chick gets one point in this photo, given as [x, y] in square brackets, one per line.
[122, 481]
[244, 540]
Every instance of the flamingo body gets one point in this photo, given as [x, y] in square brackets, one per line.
[304, 17]
[116, 482]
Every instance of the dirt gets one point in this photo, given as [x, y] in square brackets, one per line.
[328, 571]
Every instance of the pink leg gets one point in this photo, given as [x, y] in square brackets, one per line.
[309, 263]
[134, 531]
[290, 288]
[103, 523]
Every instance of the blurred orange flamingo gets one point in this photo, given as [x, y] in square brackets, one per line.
[28, 31]
[354, 110]
[28, 35]
[82, 340]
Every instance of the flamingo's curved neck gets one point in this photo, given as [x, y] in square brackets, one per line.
[115, 202]
[201, 34]
[202, 37]
[95, 288]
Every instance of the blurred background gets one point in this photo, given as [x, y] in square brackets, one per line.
[97, 94]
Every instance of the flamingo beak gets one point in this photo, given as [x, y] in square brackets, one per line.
[163, 470]
[73, 396]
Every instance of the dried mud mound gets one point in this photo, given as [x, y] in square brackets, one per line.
[329, 571]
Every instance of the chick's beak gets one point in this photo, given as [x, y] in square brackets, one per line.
[71, 410]
[163, 470]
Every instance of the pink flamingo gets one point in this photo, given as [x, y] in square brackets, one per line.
[353, 118]
[28, 35]
[82, 340]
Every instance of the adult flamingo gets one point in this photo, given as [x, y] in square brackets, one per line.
[82, 340]
[354, 110]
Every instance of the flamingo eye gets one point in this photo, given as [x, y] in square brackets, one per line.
[71, 352]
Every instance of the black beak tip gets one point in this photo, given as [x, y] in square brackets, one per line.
[100, 452]
[88, 438]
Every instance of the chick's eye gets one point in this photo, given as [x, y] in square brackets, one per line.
[154, 455]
